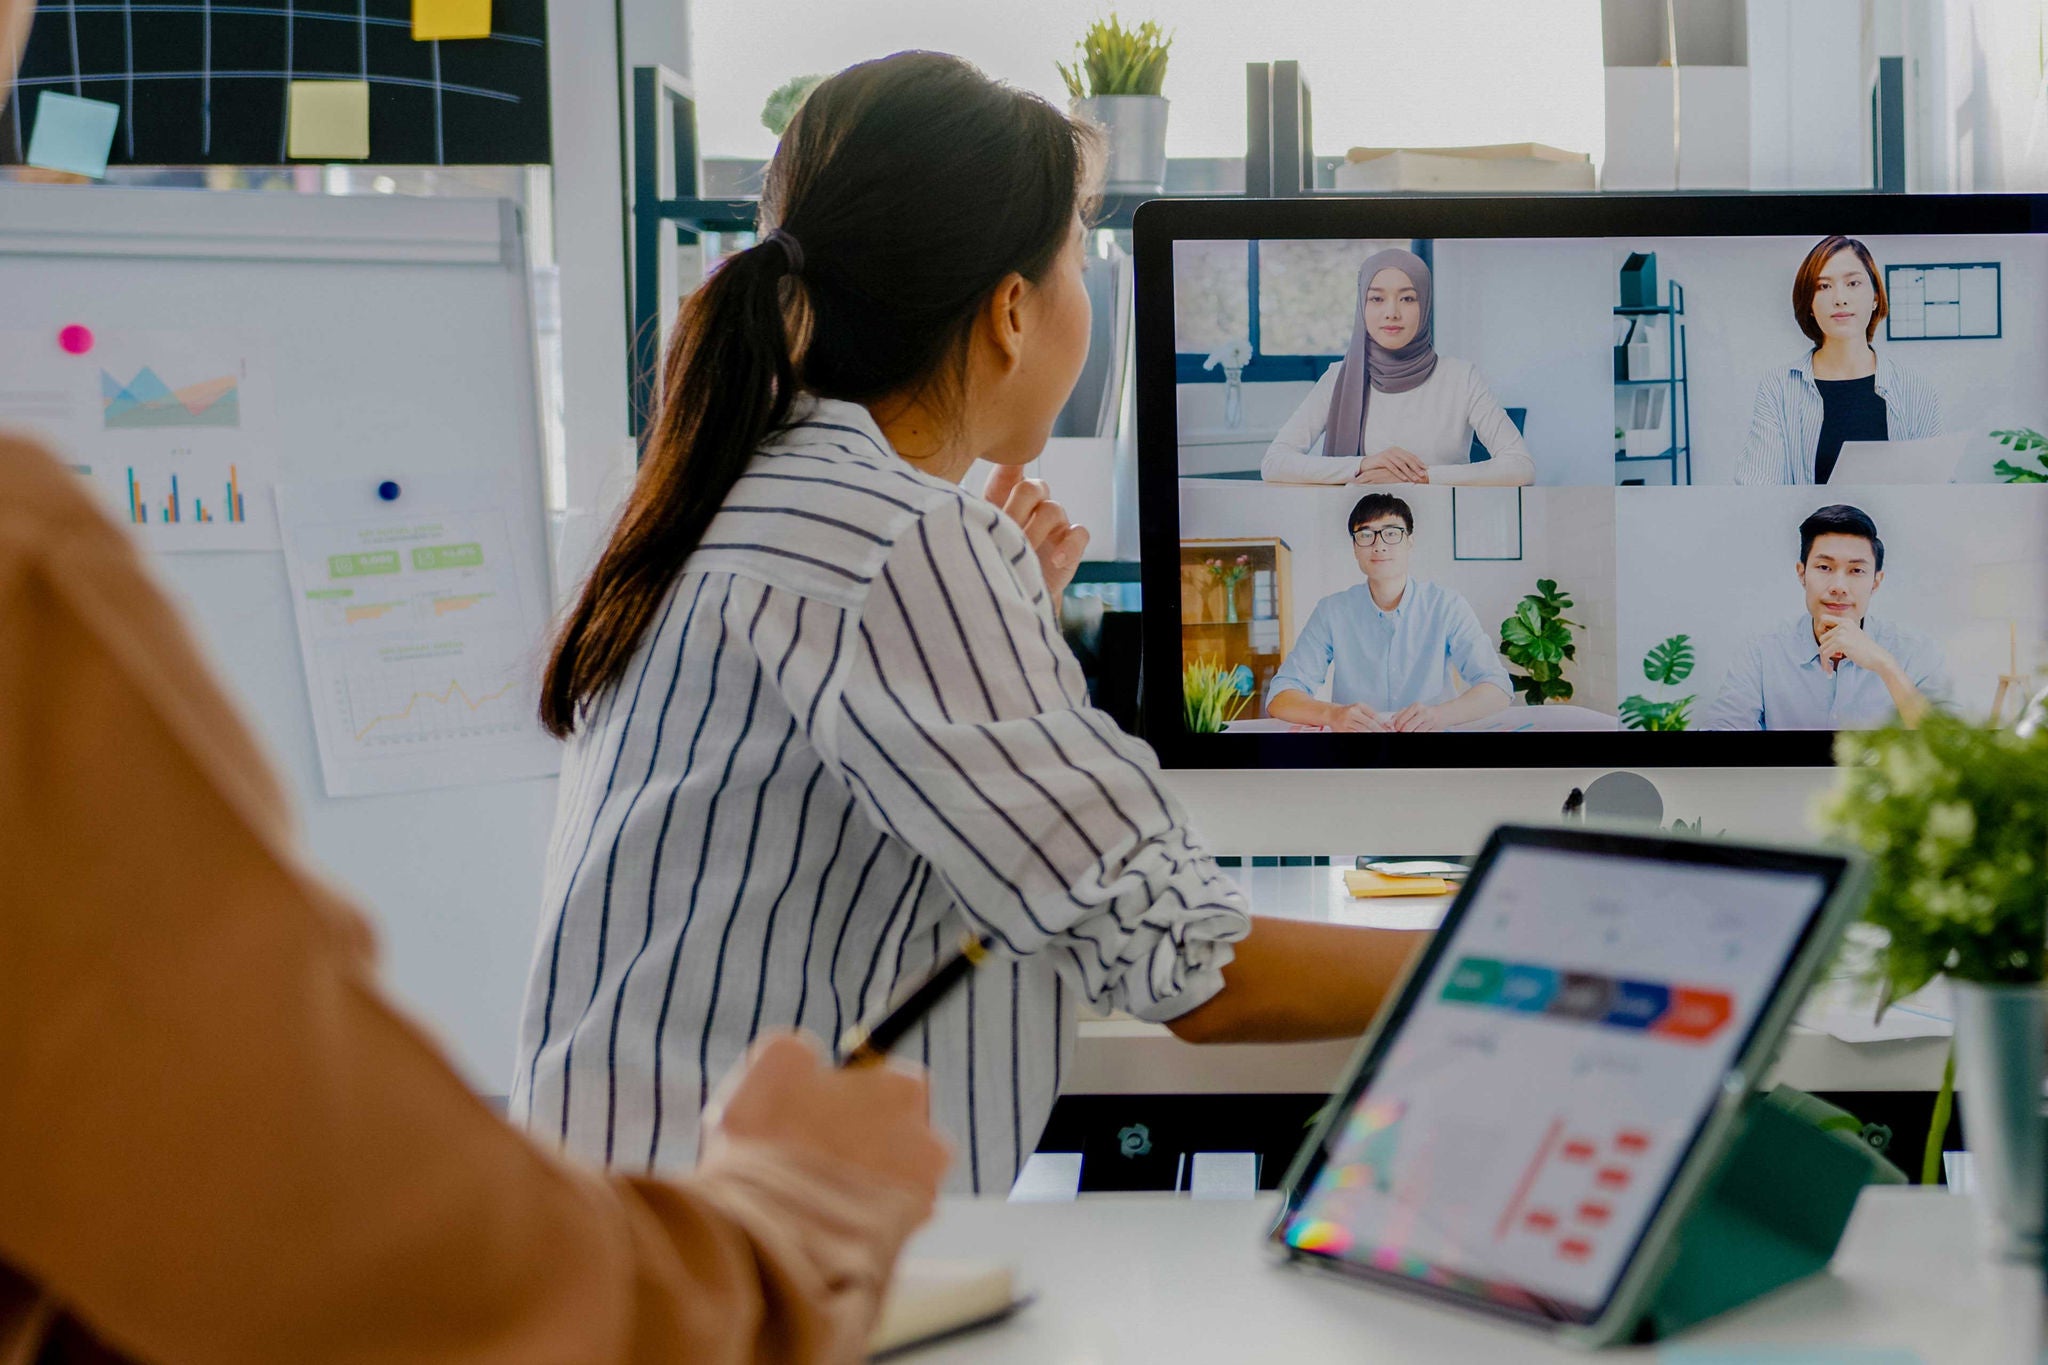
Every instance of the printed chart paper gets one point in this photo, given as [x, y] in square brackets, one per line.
[171, 428]
[420, 624]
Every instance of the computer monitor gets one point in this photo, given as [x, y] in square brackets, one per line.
[1537, 482]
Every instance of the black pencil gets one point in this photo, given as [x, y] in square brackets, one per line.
[868, 1043]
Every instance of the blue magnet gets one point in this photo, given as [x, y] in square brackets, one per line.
[388, 490]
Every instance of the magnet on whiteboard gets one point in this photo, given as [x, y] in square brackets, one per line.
[388, 490]
[75, 339]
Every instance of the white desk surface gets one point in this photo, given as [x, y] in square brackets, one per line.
[1132, 1279]
[1124, 1056]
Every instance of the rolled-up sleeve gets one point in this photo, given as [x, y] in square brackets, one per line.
[1307, 665]
[965, 731]
[1471, 650]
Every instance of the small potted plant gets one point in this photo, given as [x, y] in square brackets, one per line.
[783, 104]
[1115, 83]
[2028, 443]
[1955, 818]
[1538, 640]
[1212, 696]
[1668, 664]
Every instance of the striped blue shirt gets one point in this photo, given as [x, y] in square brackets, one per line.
[1425, 651]
[853, 734]
[1784, 426]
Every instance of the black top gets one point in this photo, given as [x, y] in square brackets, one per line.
[1850, 411]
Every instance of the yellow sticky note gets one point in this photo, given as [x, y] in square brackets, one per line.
[330, 121]
[450, 19]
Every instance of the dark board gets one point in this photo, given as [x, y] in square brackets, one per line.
[202, 82]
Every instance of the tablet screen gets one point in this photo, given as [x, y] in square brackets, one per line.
[1512, 1140]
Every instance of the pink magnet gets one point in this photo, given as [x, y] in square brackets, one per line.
[75, 339]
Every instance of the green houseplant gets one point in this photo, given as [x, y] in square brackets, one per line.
[1668, 664]
[1538, 640]
[1954, 816]
[1212, 696]
[782, 105]
[2022, 441]
[1115, 81]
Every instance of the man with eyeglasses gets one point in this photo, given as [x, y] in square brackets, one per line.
[1834, 666]
[1401, 654]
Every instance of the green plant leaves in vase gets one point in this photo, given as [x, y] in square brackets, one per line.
[1212, 696]
[1538, 640]
[1115, 60]
[1954, 816]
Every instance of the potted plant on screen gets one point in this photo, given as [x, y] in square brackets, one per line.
[1115, 82]
[1955, 818]
[2028, 443]
[1668, 664]
[1538, 640]
[1212, 696]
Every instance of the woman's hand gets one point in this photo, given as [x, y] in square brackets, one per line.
[875, 1117]
[1028, 502]
[1392, 465]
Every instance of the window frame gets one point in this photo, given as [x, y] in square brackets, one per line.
[1188, 366]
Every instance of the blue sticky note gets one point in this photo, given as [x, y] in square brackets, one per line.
[73, 134]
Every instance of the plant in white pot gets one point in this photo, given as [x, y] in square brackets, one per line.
[1115, 83]
[1955, 819]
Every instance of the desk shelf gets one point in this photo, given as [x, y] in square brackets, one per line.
[1676, 383]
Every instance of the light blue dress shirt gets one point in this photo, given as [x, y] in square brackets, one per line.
[1778, 683]
[1391, 659]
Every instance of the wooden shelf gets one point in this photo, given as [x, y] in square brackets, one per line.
[1205, 634]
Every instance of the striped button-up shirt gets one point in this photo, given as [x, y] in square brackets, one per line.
[853, 735]
[1784, 426]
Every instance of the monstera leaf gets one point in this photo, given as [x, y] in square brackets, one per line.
[1670, 662]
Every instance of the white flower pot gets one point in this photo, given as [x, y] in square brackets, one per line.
[1999, 1038]
[1134, 131]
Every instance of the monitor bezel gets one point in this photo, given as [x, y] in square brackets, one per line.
[1159, 223]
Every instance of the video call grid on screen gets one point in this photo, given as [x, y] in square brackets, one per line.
[1633, 445]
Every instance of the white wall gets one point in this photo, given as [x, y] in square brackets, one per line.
[1535, 317]
[1739, 325]
[1567, 535]
[1990, 122]
[1808, 102]
[1965, 565]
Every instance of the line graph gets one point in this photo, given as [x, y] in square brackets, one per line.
[453, 693]
[202, 83]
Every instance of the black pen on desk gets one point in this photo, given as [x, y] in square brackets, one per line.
[868, 1043]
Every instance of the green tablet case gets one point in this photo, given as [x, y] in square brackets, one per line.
[1771, 1214]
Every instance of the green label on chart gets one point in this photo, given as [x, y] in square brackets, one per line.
[362, 565]
[328, 594]
[469, 556]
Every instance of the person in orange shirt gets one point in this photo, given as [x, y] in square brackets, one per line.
[219, 1142]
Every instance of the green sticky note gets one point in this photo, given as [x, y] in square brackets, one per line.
[73, 134]
[433, 19]
[330, 121]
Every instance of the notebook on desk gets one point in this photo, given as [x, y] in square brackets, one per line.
[930, 1300]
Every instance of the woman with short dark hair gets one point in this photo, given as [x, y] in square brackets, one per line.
[1842, 389]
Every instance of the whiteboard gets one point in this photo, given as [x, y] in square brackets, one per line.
[399, 341]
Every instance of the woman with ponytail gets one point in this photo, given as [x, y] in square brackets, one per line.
[821, 723]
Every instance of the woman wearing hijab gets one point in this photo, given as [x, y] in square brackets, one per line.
[1393, 410]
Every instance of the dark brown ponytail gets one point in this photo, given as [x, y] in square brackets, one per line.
[910, 187]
